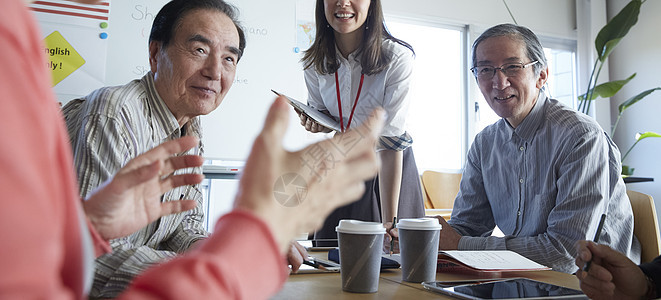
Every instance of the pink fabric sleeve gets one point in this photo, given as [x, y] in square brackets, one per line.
[41, 252]
[240, 254]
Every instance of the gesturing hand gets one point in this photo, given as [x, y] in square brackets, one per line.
[293, 192]
[132, 198]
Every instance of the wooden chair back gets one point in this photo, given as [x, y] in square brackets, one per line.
[646, 225]
[441, 188]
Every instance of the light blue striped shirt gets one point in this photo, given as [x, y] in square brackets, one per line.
[545, 184]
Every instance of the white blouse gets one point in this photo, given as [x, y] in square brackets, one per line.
[387, 89]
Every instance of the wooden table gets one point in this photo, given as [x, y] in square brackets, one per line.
[329, 285]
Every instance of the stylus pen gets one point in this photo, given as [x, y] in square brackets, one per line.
[314, 264]
[586, 267]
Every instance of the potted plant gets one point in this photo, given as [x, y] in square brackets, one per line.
[607, 39]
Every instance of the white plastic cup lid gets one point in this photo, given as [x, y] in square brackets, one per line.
[419, 224]
[360, 227]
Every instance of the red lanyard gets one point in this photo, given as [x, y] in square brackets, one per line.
[339, 102]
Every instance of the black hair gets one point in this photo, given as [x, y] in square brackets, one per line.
[169, 17]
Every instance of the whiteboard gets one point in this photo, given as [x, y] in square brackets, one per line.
[270, 61]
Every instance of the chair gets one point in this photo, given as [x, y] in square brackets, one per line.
[440, 188]
[428, 204]
[645, 225]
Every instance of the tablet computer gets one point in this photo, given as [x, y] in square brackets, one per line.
[386, 262]
[513, 288]
[317, 116]
[318, 265]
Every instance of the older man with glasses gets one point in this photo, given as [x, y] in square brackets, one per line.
[544, 173]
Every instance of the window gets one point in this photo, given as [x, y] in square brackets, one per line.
[436, 113]
[562, 77]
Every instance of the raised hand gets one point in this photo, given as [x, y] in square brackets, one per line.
[132, 198]
[295, 191]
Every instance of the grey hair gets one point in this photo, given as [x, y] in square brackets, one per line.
[534, 48]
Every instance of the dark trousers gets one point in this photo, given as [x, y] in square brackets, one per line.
[368, 207]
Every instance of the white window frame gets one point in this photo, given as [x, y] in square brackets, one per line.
[465, 57]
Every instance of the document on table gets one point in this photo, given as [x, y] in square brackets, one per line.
[494, 260]
[312, 113]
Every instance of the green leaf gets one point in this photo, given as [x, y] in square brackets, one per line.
[608, 89]
[608, 48]
[627, 171]
[616, 29]
[640, 136]
[634, 99]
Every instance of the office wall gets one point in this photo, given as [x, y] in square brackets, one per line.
[271, 63]
[551, 18]
[639, 52]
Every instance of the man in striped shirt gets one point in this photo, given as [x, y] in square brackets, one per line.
[544, 173]
[194, 48]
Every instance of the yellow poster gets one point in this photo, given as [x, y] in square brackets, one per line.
[63, 59]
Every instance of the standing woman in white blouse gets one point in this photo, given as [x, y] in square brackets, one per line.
[353, 66]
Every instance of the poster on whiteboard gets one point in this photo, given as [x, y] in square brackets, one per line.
[75, 42]
[107, 45]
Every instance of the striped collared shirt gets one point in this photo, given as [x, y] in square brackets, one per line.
[108, 128]
[545, 184]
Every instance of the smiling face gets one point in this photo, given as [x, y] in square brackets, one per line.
[346, 16]
[511, 98]
[196, 69]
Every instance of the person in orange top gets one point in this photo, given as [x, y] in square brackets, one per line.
[49, 244]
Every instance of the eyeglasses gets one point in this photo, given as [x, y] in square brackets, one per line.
[510, 70]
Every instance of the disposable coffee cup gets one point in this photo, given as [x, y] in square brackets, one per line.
[418, 246]
[360, 246]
